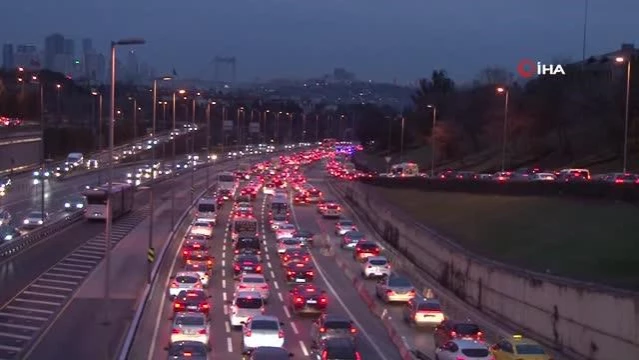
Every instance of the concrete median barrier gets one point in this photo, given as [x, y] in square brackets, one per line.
[563, 314]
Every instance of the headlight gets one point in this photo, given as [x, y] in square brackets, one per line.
[79, 206]
[8, 237]
[36, 181]
[36, 173]
[67, 205]
[46, 173]
[40, 222]
[129, 175]
[26, 221]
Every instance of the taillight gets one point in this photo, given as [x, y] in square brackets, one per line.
[248, 333]
[290, 273]
[357, 356]
[177, 305]
[306, 259]
[369, 267]
[202, 332]
[412, 292]
[323, 300]
[205, 306]
[618, 181]
[210, 262]
[324, 355]
[322, 330]
[185, 252]
[236, 268]
[258, 268]
[299, 300]
[176, 331]
[453, 334]
[353, 330]
[389, 291]
[174, 284]
[280, 334]
[309, 273]
[197, 286]
[236, 251]
[358, 249]
[480, 334]
[242, 286]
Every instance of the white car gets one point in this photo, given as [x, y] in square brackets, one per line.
[285, 231]
[262, 330]
[277, 222]
[190, 326]
[254, 282]
[463, 350]
[344, 226]
[268, 189]
[288, 243]
[376, 266]
[245, 305]
[184, 280]
[34, 219]
[201, 228]
[201, 269]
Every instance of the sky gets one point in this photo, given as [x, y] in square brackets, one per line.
[379, 40]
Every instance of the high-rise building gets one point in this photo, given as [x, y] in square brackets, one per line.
[53, 45]
[69, 47]
[27, 56]
[87, 45]
[7, 56]
[132, 67]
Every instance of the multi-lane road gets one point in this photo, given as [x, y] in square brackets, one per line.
[153, 334]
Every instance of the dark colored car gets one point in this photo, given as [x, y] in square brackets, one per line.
[329, 326]
[299, 273]
[364, 249]
[451, 329]
[247, 264]
[305, 235]
[192, 300]
[193, 245]
[269, 353]
[292, 256]
[200, 256]
[187, 350]
[247, 245]
[307, 298]
[338, 349]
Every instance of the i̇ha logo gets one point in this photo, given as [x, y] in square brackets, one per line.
[528, 68]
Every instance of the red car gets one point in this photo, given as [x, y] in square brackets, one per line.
[307, 298]
[200, 256]
[247, 264]
[191, 245]
[192, 300]
[291, 256]
[364, 249]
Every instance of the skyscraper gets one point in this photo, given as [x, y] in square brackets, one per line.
[87, 46]
[69, 47]
[53, 45]
[7, 56]
[27, 56]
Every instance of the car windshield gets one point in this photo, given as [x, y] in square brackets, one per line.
[400, 282]
[206, 208]
[288, 227]
[201, 224]
[194, 267]
[190, 320]
[194, 349]
[529, 349]
[265, 325]
[337, 324]
[467, 329]
[429, 306]
[35, 215]
[253, 280]
[247, 259]
[248, 242]
[355, 235]
[342, 352]
[378, 262]
[291, 242]
[346, 223]
[249, 303]
[475, 353]
[185, 279]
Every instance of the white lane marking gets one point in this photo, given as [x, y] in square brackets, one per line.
[288, 313]
[338, 298]
[304, 349]
[277, 286]
[223, 255]
[229, 344]
[223, 272]
[272, 274]
[227, 326]
[223, 263]
[269, 264]
[265, 248]
[223, 283]
[268, 257]
[224, 296]
[224, 247]
[226, 310]
[279, 295]
[294, 327]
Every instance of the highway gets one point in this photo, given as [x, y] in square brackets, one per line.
[153, 333]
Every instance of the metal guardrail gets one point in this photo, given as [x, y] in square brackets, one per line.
[14, 246]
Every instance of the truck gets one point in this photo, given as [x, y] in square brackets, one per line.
[243, 227]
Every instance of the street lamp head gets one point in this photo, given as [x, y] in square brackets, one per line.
[131, 98]
[181, 91]
[129, 41]
[21, 69]
[58, 86]
[166, 78]
[34, 78]
[501, 89]
[620, 59]
[430, 106]
[198, 94]
[213, 103]
[95, 93]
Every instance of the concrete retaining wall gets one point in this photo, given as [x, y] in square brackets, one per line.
[17, 152]
[596, 322]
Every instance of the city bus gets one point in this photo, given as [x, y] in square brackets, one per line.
[121, 198]
[227, 181]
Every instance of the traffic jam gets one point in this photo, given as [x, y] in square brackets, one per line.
[247, 282]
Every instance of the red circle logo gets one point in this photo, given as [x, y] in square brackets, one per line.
[527, 68]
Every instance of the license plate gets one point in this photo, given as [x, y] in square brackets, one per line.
[248, 268]
[191, 307]
[311, 301]
[300, 280]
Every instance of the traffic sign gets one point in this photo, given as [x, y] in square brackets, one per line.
[150, 255]
[387, 158]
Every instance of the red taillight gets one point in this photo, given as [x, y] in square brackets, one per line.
[236, 268]
[210, 262]
[258, 268]
[412, 292]
[236, 251]
[309, 273]
[618, 181]
[205, 305]
[323, 300]
[177, 305]
[242, 286]
[389, 291]
[306, 259]
[248, 333]
[453, 334]
[202, 332]
[280, 334]
[324, 355]
[287, 258]
[185, 252]
[357, 356]
[290, 273]
[353, 330]
[358, 249]
[480, 334]
[299, 300]
[187, 354]
[176, 331]
[322, 330]
[174, 284]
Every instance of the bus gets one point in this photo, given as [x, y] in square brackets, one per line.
[227, 181]
[121, 199]
[242, 226]
[279, 206]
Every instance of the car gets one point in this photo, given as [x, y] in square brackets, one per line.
[278, 220]
[300, 198]
[423, 312]
[343, 226]
[313, 195]
[246, 304]
[285, 231]
[5, 183]
[331, 210]
[256, 283]
[329, 326]
[351, 238]
[191, 245]
[394, 289]
[248, 245]
[268, 189]
[307, 298]
[247, 264]
[74, 203]
[295, 255]
[199, 227]
[299, 273]
[183, 281]
[288, 243]
[202, 257]
[190, 326]
[376, 266]
[336, 349]
[449, 330]
[192, 300]
[365, 249]
[199, 268]
[462, 349]
[262, 330]
[5, 217]
[196, 237]
[34, 219]
[8, 233]
[270, 353]
[191, 350]
[306, 236]
[518, 347]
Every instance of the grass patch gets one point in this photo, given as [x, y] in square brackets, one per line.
[589, 240]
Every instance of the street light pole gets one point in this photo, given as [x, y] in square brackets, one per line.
[627, 110]
[208, 143]
[317, 127]
[174, 135]
[42, 129]
[432, 141]
[401, 144]
[506, 93]
[192, 150]
[109, 215]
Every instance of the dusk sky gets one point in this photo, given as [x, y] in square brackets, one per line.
[380, 40]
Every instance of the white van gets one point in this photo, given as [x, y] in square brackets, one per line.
[206, 210]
